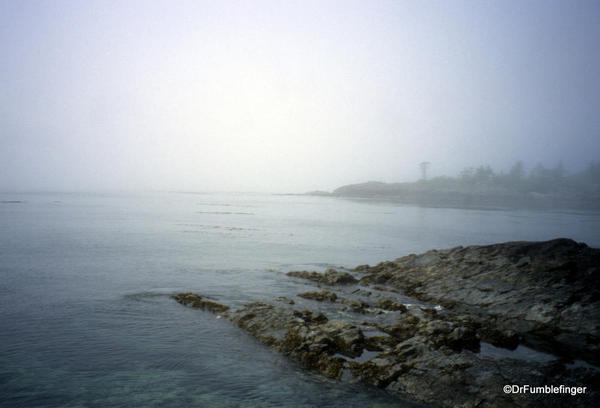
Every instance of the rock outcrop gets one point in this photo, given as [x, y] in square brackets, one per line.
[330, 277]
[193, 300]
[546, 294]
[437, 328]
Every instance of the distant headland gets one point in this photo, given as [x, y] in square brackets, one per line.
[481, 187]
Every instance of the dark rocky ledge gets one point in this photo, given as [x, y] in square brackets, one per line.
[438, 328]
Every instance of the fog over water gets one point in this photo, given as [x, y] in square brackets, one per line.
[291, 96]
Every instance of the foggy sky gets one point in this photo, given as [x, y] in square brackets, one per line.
[289, 96]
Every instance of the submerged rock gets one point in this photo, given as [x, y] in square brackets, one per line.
[391, 304]
[543, 295]
[193, 300]
[324, 295]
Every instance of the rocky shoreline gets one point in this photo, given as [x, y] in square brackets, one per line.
[447, 327]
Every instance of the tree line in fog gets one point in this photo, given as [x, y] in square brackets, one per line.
[538, 179]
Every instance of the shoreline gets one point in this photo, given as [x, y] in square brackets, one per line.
[447, 327]
[472, 201]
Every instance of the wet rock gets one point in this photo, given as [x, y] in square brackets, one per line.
[507, 339]
[547, 293]
[309, 338]
[391, 304]
[196, 301]
[313, 276]
[544, 295]
[347, 338]
[333, 277]
[330, 277]
[322, 296]
[310, 317]
[286, 300]
[356, 305]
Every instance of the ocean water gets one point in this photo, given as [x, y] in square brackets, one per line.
[85, 314]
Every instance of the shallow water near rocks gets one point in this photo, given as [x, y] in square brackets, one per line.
[86, 318]
[520, 353]
[525, 353]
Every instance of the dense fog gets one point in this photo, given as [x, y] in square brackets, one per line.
[293, 96]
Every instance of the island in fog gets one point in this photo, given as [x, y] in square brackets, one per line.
[481, 187]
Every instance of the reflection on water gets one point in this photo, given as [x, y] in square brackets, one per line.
[520, 353]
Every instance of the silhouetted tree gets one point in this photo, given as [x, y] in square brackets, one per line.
[424, 166]
[467, 174]
[483, 175]
[517, 171]
[592, 173]
[559, 171]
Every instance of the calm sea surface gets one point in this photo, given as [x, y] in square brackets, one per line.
[85, 317]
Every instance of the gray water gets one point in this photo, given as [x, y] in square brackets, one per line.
[85, 317]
